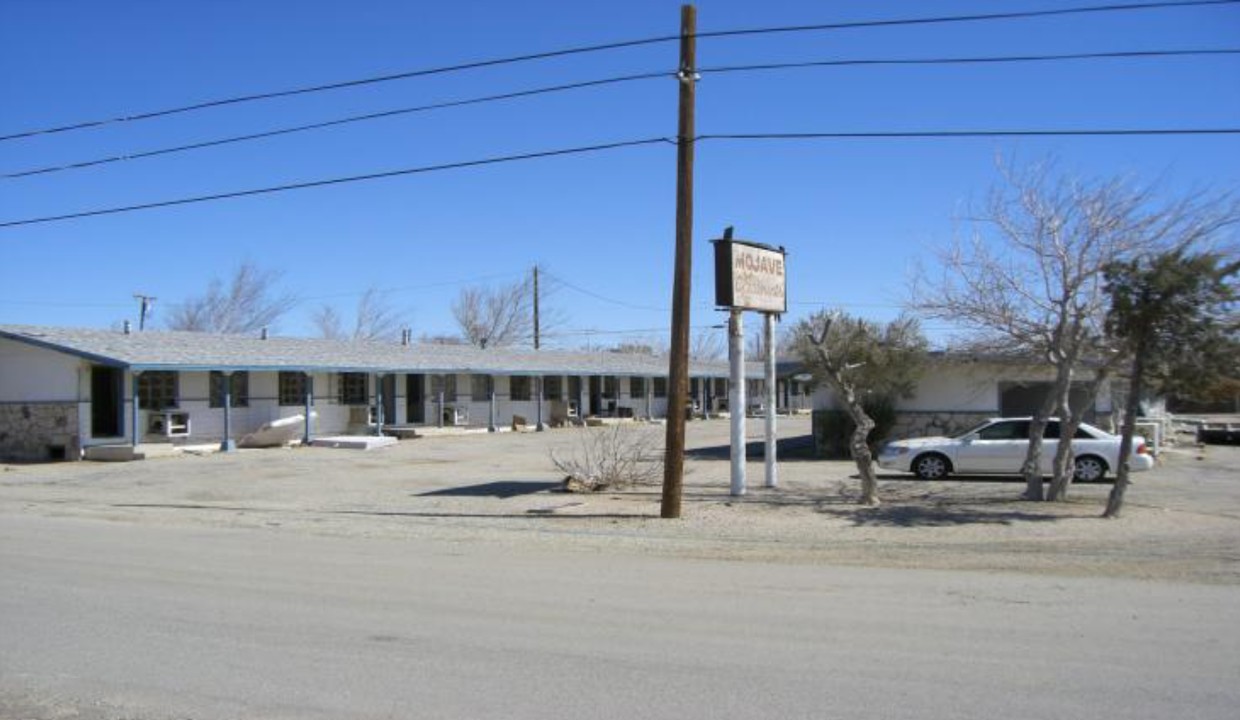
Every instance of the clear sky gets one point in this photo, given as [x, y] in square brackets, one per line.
[853, 214]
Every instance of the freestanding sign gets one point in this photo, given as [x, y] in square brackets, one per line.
[750, 276]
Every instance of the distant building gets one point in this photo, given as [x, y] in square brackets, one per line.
[65, 389]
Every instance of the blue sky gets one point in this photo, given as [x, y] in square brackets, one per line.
[854, 214]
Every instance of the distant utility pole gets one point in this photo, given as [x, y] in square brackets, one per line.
[678, 366]
[536, 307]
[145, 304]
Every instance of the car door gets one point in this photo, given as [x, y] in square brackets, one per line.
[997, 448]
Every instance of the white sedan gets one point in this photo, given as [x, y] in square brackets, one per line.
[998, 446]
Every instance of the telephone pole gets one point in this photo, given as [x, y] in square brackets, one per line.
[145, 303]
[678, 366]
[536, 339]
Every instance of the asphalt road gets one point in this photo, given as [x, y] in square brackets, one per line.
[112, 620]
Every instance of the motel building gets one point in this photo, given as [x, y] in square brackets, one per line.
[66, 390]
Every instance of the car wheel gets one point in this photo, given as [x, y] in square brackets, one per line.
[931, 466]
[1089, 469]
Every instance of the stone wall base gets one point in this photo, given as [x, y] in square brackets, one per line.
[38, 432]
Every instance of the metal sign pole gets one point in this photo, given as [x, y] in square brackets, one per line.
[772, 472]
[736, 399]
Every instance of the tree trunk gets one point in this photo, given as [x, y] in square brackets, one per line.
[862, 455]
[1068, 424]
[1133, 406]
[1061, 464]
[1031, 470]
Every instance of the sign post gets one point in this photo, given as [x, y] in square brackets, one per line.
[750, 276]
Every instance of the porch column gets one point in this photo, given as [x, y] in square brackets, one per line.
[305, 437]
[540, 426]
[491, 401]
[378, 404]
[227, 444]
[134, 421]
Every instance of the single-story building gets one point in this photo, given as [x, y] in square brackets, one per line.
[958, 390]
[66, 389]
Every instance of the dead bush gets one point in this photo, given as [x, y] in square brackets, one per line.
[612, 457]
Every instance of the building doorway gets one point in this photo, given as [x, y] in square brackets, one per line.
[106, 401]
[415, 399]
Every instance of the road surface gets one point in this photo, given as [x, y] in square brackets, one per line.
[114, 620]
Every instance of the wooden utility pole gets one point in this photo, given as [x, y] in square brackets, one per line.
[536, 338]
[678, 366]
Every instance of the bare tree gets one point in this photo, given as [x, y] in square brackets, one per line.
[249, 302]
[858, 359]
[493, 317]
[1029, 281]
[706, 345]
[374, 319]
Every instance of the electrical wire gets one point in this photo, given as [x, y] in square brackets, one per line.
[1124, 54]
[625, 144]
[608, 81]
[337, 181]
[979, 17]
[334, 123]
[884, 135]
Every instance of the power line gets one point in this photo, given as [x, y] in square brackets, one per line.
[631, 143]
[882, 135]
[608, 81]
[337, 181]
[969, 60]
[334, 123]
[979, 17]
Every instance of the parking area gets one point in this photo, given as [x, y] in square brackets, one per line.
[1182, 519]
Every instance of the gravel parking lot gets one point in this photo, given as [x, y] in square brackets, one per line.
[1182, 520]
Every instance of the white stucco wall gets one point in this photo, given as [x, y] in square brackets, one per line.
[33, 374]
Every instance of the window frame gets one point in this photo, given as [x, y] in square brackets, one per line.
[520, 388]
[291, 387]
[353, 388]
[239, 389]
[159, 385]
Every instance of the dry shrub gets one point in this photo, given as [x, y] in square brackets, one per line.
[613, 457]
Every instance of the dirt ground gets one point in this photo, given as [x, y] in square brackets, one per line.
[1182, 519]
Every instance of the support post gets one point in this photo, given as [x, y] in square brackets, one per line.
[736, 399]
[227, 444]
[491, 427]
[538, 379]
[307, 434]
[379, 419]
[678, 364]
[772, 470]
[439, 403]
[134, 421]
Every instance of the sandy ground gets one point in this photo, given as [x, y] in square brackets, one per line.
[1182, 520]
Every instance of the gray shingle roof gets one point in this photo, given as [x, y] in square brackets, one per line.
[204, 351]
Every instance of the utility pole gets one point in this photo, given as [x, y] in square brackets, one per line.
[536, 333]
[145, 304]
[678, 366]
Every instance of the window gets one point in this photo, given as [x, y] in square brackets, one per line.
[157, 390]
[1016, 430]
[293, 386]
[480, 387]
[553, 387]
[637, 387]
[239, 389]
[720, 387]
[353, 390]
[659, 385]
[519, 387]
[445, 384]
[609, 386]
